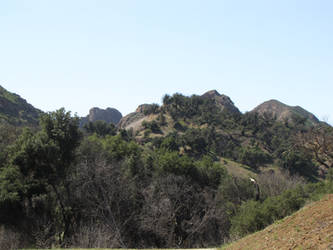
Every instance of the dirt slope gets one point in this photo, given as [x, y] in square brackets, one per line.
[309, 228]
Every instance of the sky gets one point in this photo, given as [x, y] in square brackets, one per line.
[80, 54]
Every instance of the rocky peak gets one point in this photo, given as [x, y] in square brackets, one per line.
[142, 108]
[284, 112]
[211, 94]
[109, 115]
[223, 101]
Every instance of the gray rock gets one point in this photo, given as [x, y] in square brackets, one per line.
[109, 115]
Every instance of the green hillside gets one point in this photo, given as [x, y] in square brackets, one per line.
[15, 110]
[309, 228]
[192, 172]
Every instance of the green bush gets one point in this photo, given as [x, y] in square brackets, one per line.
[254, 215]
[254, 156]
[152, 126]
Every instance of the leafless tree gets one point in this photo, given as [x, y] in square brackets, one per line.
[178, 213]
[274, 182]
[319, 142]
[105, 195]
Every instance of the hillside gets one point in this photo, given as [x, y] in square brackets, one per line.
[191, 173]
[283, 112]
[211, 123]
[309, 228]
[219, 102]
[15, 110]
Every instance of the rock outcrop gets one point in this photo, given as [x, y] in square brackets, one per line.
[222, 101]
[142, 108]
[109, 115]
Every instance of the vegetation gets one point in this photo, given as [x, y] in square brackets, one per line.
[106, 187]
[16, 111]
[309, 228]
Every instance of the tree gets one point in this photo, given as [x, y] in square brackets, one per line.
[44, 161]
[101, 128]
[254, 156]
[61, 136]
[318, 141]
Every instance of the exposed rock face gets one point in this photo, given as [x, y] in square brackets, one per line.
[142, 108]
[109, 115]
[132, 120]
[15, 110]
[223, 101]
[283, 112]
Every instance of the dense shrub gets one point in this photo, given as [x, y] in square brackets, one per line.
[254, 157]
[255, 215]
[152, 126]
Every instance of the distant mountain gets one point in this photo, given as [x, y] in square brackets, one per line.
[15, 110]
[109, 115]
[222, 101]
[283, 112]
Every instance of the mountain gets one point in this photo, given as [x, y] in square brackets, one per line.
[109, 115]
[283, 112]
[148, 112]
[309, 228]
[222, 101]
[15, 110]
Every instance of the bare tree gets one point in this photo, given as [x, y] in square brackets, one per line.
[178, 213]
[105, 195]
[273, 183]
[319, 142]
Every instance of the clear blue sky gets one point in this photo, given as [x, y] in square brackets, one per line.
[79, 54]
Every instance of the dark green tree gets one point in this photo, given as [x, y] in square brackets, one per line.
[101, 128]
[41, 164]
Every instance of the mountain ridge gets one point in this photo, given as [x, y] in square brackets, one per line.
[17, 111]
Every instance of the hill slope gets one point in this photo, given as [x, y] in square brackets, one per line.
[309, 228]
[283, 112]
[15, 110]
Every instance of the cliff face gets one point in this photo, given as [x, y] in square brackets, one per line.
[283, 112]
[109, 115]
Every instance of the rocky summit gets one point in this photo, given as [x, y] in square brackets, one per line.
[109, 115]
[283, 112]
[223, 101]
